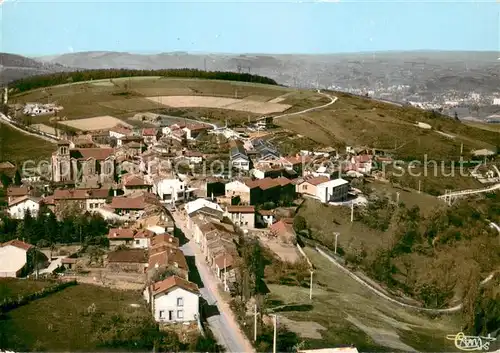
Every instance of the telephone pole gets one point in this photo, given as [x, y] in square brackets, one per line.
[274, 335]
[255, 323]
[336, 238]
[352, 212]
[311, 286]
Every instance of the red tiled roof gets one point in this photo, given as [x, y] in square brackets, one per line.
[48, 200]
[169, 257]
[283, 181]
[174, 282]
[121, 129]
[128, 203]
[129, 255]
[80, 194]
[266, 212]
[68, 260]
[241, 209]
[364, 158]
[134, 180]
[17, 191]
[225, 259]
[18, 244]
[22, 199]
[316, 180]
[99, 154]
[121, 233]
[193, 154]
[149, 132]
[144, 234]
[282, 228]
[161, 239]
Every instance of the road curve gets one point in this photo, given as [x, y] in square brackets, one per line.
[333, 99]
[7, 121]
[395, 301]
[470, 192]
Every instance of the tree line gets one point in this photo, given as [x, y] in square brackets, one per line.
[46, 230]
[59, 78]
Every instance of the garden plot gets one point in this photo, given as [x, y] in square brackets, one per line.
[96, 123]
[220, 103]
[44, 128]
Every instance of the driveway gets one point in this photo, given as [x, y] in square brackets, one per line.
[224, 325]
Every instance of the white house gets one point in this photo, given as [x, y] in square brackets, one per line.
[173, 300]
[195, 205]
[18, 207]
[194, 157]
[332, 190]
[118, 132]
[241, 216]
[238, 157]
[157, 229]
[13, 257]
[237, 188]
[170, 190]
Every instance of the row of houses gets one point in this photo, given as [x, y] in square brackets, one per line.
[152, 251]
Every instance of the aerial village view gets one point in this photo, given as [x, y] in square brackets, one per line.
[209, 210]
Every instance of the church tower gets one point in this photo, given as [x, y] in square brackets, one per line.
[61, 162]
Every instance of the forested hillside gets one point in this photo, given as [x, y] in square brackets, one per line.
[33, 82]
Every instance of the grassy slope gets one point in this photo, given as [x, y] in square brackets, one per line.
[58, 322]
[336, 297]
[358, 121]
[18, 147]
[11, 288]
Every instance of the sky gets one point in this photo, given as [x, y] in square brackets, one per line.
[36, 28]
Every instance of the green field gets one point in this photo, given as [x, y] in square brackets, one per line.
[11, 287]
[122, 98]
[63, 322]
[348, 313]
[18, 147]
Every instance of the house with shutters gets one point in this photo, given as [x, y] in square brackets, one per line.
[173, 300]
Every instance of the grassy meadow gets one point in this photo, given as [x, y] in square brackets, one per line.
[64, 321]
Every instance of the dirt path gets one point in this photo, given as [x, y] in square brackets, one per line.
[332, 100]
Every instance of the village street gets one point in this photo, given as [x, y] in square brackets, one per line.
[224, 326]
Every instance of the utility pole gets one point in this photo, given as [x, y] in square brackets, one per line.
[461, 149]
[311, 286]
[397, 198]
[225, 275]
[336, 238]
[352, 212]
[419, 185]
[255, 323]
[274, 335]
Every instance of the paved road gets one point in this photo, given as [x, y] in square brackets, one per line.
[6, 120]
[224, 326]
[392, 300]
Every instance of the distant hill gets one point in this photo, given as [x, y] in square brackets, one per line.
[427, 73]
[14, 67]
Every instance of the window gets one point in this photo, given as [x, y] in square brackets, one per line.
[162, 314]
[246, 223]
[180, 302]
[137, 242]
[180, 314]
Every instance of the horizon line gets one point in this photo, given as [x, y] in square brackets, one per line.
[192, 52]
